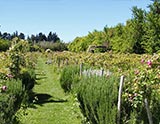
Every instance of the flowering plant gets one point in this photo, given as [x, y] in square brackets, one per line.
[143, 84]
[3, 88]
[146, 81]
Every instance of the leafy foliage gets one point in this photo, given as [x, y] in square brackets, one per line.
[141, 82]
[10, 100]
[58, 46]
[139, 35]
[4, 45]
[15, 83]
[144, 84]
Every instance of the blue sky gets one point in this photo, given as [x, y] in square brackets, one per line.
[68, 18]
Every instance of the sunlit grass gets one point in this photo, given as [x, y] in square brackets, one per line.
[59, 108]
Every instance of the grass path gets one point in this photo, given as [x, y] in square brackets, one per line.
[53, 106]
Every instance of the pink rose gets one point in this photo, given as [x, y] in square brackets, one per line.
[149, 63]
[4, 88]
[135, 94]
[136, 72]
[9, 76]
[142, 61]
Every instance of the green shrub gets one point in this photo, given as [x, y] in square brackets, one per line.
[16, 86]
[4, 45]
[28, 78]
[143, 84]
[10, 100]
[69, 77]
[98, 99]
[34, 48]
[58, 46]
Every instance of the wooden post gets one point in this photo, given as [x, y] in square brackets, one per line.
[67, 62]
[81, 69]
[148, 111]
[119, 99]
[102, 72]
[59, 62]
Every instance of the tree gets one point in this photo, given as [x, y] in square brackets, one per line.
[138, 21]
[21, 36]
[152, 38]
[53, 37]
[40, 36]
[0, 34]
[33, 38]
[118, 41]
[6, 35]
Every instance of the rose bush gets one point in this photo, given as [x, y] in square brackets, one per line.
[144, 84]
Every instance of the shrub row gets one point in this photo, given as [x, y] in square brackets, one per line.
[58, 46]
[17, 82]
[98, 95]
[14, 93]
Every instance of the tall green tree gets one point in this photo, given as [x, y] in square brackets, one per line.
[138, 22]
[152, 38]
[21, 36]
[118, 40]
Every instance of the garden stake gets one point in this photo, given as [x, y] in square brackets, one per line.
[119, 99]
[148, 111]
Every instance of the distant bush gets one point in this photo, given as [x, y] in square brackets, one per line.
[98, 99]
[57, 46]
[4, 45]
[34, 48]
[69, 76]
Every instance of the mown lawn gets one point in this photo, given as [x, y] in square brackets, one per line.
[52, 105]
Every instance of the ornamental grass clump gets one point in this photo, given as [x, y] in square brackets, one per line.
[69, 77]
[98, 99]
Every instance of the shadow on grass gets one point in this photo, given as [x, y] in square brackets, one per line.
[43, 98]
[39, 78]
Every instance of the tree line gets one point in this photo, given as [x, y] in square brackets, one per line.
[140, 34]
[38, 42]
[51, 37]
